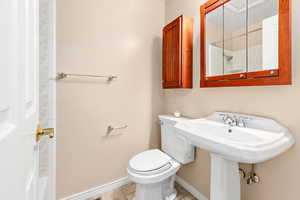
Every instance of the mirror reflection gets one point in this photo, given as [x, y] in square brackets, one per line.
[262, 35]
[235, 39]
[214, 41]
[242, 36]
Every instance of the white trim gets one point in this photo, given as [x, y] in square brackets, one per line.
[52, 98]
[188, 187]
[97, 191]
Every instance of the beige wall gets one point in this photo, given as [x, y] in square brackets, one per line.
[280, 177]
[117, 37]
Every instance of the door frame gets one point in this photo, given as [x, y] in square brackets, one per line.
[52, 98]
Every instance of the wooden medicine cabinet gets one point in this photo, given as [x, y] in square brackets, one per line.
[245, 43]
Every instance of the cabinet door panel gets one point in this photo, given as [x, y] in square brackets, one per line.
[172, 55]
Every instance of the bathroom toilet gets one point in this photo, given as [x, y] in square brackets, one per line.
[154, 171]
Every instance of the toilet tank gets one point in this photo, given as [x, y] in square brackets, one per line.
[173, 143]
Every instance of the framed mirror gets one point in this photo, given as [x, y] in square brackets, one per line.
[245, 43]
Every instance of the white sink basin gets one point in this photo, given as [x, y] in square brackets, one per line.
[262, 139]
[252, 140]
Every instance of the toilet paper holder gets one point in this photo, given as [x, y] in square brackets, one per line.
[110, 129]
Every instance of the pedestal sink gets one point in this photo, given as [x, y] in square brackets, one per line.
[246, 139]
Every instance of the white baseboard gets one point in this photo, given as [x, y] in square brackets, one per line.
[190, 189]
[97, 191]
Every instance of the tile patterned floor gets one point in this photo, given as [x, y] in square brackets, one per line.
[127, 193]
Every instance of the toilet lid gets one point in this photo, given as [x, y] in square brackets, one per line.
[149, 161]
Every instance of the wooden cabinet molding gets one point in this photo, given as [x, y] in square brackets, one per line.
[178, 53]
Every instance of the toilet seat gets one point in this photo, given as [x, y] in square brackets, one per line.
[153, 172]
[150, 162]
[151, 166]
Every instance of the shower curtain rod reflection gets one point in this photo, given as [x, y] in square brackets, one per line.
[62, 75]
[237, 36]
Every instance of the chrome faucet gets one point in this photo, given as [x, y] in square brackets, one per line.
[239, 121]
[227, 119]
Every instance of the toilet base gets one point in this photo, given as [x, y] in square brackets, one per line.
[172, 196]
[159, 191]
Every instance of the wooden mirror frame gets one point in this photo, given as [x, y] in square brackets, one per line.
[280, 76]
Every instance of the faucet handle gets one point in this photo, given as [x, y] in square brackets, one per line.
[229, 120]
[242, 121]
[224, 116]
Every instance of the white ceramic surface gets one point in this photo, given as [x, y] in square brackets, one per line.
[149, 161]
[154, 171]
[262, 139]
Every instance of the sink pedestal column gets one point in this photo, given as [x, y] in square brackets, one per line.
[225, 179]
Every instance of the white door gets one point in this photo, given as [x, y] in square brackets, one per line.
[19, 95]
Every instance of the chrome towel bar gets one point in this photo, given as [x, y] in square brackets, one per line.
[62, 75]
